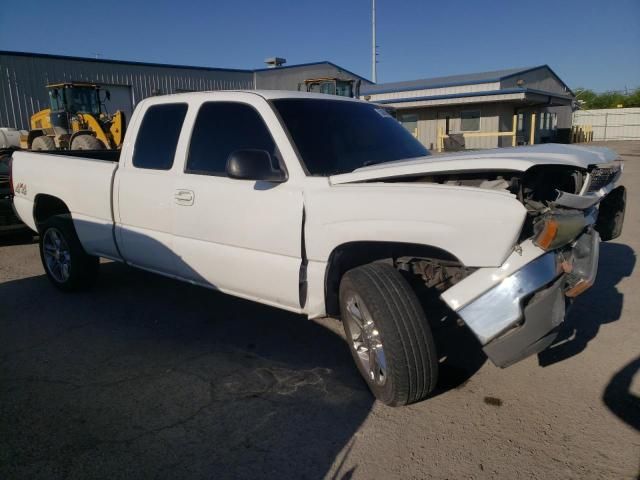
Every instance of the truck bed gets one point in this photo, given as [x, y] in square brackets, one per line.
[107, 155]
[81, 179]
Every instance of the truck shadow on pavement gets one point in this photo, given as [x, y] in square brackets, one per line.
[601, 304]
[146, 377]
[619, 398]
[22, 237]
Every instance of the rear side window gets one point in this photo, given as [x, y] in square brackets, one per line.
[220, 129]
[158, 136]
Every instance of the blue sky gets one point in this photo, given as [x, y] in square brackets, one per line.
[590, 43]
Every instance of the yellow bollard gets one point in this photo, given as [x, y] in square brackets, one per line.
[532, 134]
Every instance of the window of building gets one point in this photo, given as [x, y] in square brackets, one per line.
[543, 120]
[158, 136]
[470, 120]
[520, 122]
[220, 129]
[410, 122]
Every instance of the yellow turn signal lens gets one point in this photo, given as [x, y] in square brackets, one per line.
[548, 234]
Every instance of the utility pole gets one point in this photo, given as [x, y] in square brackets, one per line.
[374, 47]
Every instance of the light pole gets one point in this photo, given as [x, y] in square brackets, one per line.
[374, 47]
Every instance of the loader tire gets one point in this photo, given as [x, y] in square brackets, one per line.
[43, 143]
[86, 142]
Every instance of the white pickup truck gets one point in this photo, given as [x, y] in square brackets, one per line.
[327, 206]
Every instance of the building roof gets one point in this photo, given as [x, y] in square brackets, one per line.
[302, 65]
[167, 65]
[451, 80]
[563, 99]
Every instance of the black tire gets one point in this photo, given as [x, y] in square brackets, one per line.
[86, 142]
[400, 324]
[82, 268]
[43, 143]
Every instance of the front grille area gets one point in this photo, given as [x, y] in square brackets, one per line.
[601, 177]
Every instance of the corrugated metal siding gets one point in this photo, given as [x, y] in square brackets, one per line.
[611, 123]
[460, 100]
[447, 81]
[478, 87]
[23, 78]
[289, 78]
[493, 118]
[538, 79]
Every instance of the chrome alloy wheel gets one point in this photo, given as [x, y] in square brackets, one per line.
[57, 255]
[366, 341]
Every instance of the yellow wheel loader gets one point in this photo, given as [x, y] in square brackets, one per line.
[331, 86]
[76, 120]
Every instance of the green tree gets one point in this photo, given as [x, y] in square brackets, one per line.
[588, 99]
[633, 100]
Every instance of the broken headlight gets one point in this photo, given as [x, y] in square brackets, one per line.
[554, 230]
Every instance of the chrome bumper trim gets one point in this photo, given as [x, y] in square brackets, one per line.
[500, 308]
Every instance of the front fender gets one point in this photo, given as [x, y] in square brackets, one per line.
[479, 227]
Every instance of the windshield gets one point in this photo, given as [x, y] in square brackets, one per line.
[335, 137]
[82, 99]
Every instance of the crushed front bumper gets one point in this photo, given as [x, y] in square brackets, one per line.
[519, 315]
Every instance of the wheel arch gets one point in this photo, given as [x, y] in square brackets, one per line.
[352, 254]
[45, 206]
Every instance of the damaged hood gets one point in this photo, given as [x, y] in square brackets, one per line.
[503, 159]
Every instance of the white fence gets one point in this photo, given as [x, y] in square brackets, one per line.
[610, 123]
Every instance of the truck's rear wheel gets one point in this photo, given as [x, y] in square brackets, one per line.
[43, 143]
[65, 262]
[388, 334]
[86, 142]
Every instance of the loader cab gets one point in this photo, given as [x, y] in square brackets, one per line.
[75, 98]
[332, 86]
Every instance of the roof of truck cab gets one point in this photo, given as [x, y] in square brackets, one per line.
[266, 94]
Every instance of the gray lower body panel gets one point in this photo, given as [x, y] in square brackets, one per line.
[520, 316]
[542, 315]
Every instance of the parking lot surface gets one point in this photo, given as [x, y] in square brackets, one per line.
[145, 377]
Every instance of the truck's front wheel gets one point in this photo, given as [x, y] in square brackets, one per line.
[388, 334]
[65, 262]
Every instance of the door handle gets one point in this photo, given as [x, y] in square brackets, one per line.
[184, 197]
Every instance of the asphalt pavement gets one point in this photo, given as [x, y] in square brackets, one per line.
[145, 377]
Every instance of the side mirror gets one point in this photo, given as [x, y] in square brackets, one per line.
[254, 165]
[54, 93]
[107, 95]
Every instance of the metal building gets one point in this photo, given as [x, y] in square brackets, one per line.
[23, 77]
[482, 110]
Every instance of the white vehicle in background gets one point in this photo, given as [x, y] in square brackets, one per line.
[327, 206]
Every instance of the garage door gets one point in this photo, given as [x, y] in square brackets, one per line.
[120, 99]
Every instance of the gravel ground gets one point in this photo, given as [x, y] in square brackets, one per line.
[144, 377]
